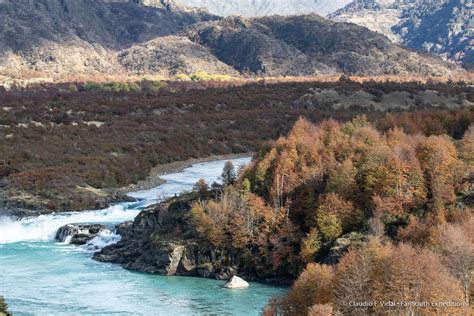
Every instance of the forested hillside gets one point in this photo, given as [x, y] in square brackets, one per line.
[401, 204]
[59, 141]
[368, 216]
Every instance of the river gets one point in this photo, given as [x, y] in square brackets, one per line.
[39, 276]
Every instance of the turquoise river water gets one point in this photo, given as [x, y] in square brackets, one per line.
[39, 276]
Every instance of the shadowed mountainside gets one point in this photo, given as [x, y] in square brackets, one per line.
[82, 36]
[308, 45]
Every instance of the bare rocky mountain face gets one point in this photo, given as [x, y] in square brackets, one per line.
[70, 39]
[67, 37]
[441, 27]
[254, 8]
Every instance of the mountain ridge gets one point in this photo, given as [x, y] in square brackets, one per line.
[443, 27]
[316, 46]
[67, 39]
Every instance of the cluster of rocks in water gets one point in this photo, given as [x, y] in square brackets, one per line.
[80, 234]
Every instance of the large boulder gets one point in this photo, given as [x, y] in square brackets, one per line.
[80, 234]
[236, 283]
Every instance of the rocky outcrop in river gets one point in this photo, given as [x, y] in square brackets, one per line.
[160, 241]
[80, 234]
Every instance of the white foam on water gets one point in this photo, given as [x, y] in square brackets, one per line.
[68, 239]
[102, 240]
[44, 227]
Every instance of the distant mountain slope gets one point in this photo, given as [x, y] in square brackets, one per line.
[254, 8]
[66, 39]
[308, 45]
[79, 36]
[172, 55]
[443, 27]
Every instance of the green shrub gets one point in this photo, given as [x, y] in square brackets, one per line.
[111, 86]
[73, 88]
[183, 77]
[204, 76]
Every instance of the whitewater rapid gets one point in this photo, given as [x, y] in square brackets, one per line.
[39, 276]
[44, 227]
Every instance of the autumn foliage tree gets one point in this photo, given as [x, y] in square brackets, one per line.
[467, 148]
[313, 288]
[455, 245]
[305, 196]
[335, 177]
[201, 187]
[371, 280]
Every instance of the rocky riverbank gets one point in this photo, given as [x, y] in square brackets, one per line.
[163, 240]
[3, 307]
